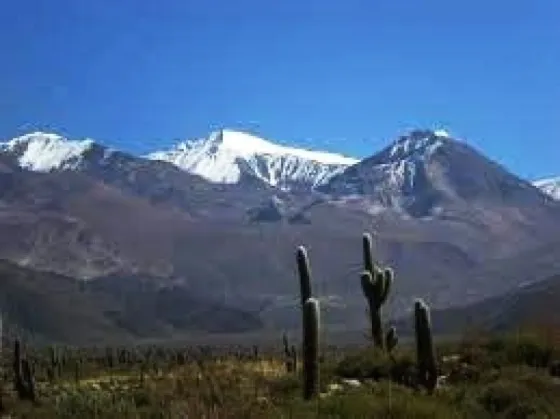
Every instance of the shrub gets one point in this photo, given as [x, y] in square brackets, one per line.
[529, 351]
[373, 364]
[502, 395]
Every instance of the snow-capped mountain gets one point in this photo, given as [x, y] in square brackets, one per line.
[226, 155]
[422, 166]
[550, 186]
[426, 171]
[394, 175]
[44, 152]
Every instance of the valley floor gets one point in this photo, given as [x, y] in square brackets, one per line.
[480, 377]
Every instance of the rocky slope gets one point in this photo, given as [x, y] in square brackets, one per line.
[532, 305]
[445, 217]
[47, 307]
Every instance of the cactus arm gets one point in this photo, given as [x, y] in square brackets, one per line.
[388, 277]
[367, 284]
[368, 252]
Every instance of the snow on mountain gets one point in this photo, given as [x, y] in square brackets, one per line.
[550, 186]
[226, 155]
[402, 160]
[425, 174]
[44, 152]
[442, 133]
[434, 164]
[393, 173]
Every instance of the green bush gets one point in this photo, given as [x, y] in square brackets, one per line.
[372, 364]
[529, 351]
[502, 395]
[368, 364]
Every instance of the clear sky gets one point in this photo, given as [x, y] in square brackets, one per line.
[344, 76]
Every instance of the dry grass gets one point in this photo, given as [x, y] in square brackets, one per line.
[488, 378]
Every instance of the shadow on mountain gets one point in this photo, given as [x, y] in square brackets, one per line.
[532, 305]
[45, 307]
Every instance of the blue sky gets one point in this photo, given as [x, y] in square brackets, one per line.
[343, 76]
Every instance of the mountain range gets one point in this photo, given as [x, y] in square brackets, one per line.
[217, 221]
[227, 156]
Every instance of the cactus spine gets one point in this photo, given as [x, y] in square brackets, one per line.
[426, 360]
[311, 324]
[376, 285]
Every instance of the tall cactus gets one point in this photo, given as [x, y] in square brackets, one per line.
[311, 325]
[304, 271]
[376, 285]
[425, 354]
[23, 377]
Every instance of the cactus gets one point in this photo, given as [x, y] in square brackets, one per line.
[311, 324]
[286, 344]
[51, 367]
[391, 339]
[77, 370]
[109, 358]
[376, 288]
[23, 378]
[304, 274]
[290, 354]
[294, 356]
[376, 285]
[28, 379]
[425, 354]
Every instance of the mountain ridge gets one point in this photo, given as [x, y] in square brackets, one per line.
[227, 156]
[115, 213]
[423, 174]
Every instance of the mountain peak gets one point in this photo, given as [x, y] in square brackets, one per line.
[424, 172]
[417, 143]
[38, 135]
[442, 133]
[225, 155]
[242, 142]
[550, 186]
[43, 152]
[247, 144]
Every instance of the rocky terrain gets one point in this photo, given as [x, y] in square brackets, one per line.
[220, 218]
